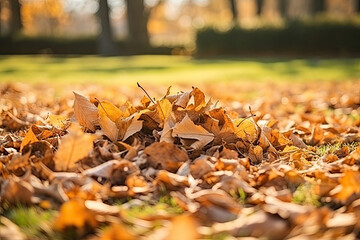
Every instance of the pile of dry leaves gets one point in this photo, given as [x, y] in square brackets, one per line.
[247, 172]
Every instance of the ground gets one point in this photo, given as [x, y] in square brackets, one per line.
[261, 148]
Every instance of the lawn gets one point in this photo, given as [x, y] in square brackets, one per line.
[275, 154]
[170, 70]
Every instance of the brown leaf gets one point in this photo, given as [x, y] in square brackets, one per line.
[129, 126]
[86, 113]
[74, 146]
[256, 154]
[188, 130]
[165, 155]
[17, 191]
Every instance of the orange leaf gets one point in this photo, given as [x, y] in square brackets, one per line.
[30, 137]
[108, 127]
[75, 214]
[74, 146]
[111, 111]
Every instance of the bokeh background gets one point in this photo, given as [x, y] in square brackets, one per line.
[126, 27]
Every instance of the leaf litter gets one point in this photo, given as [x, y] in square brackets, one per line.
[260, 172]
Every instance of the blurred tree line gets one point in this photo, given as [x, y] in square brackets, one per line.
[153, 21]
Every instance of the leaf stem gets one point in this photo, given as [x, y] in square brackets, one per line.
[145, 92]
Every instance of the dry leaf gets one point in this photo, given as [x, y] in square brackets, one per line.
[74, 146]
[30, 137]
[188, 130]
[75, 214]
[165, 155]
[178, 227]
[164, 108]
[86, 113]
[108, 127]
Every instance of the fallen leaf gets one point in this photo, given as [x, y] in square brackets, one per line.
[86, 113]
[179, 224]
[165, 155]
[188, 130]
[74, 146]
[30, 137]
[75, 214]
[108, 127]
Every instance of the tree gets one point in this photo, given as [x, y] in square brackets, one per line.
[283, 6]
[234, 10]
[15, 21]
[137, 18]
[318, 6]
[106, 45]
[259, 7]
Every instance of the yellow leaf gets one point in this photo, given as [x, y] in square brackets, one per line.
[30, 137]
[111, 111]
[245, 128]
[164, 108]
[73, 147]
[58, 121]
[188, 130]
[86, 113]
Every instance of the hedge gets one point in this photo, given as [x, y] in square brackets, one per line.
[65, 46]
[295, 38]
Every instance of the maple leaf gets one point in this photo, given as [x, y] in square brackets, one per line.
[74, 146]
[188, 130]
[86, 113]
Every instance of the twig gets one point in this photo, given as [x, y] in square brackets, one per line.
[145, 92]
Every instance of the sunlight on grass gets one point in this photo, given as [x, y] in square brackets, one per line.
[304, 195]
[168, 70]
[333, 148]
[33, 222]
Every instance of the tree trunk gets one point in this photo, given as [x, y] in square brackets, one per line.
[137, 19]
[15, 21]
[234, 11]
[318, 6]
[283, 7]
[106, 45]
[260, 4]
[357, 9]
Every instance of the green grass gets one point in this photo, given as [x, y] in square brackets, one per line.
[34, 222]
[333, 148]
[169, 70]
[304, 195]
